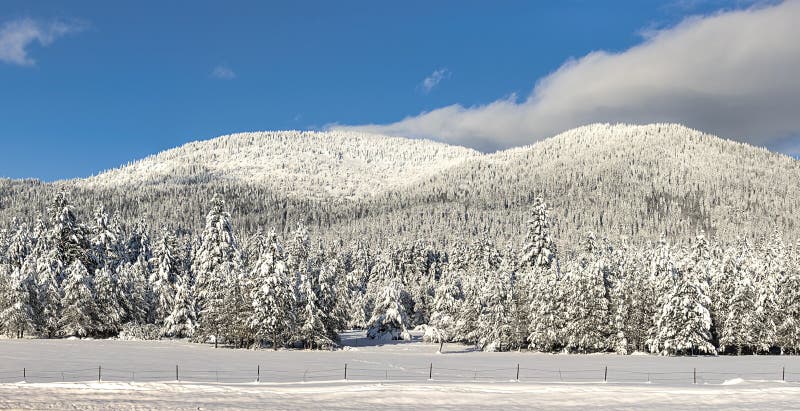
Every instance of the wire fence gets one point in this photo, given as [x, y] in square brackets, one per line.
[431, 372]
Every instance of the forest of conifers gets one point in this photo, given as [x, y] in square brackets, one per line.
[63, 277]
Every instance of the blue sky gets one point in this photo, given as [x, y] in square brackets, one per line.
[96, 84]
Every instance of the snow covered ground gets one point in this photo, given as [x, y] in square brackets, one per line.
[141, 375]
[362, 395]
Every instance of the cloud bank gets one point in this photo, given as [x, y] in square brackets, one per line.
[734, 74]
[17, 36]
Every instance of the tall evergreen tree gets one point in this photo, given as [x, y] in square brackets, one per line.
[16, 312]
[165, 276]
[217, 247]
[273, 315]
[181, 320]
[214, 311]
[495, 324]
[216, 263]
[446, 304]
[539, 249]
[389, 320]
[19, 247]
[588, 321]
[788, 330]
[106, 249]
[355, 288]
[137, 300]
[334, 315]
[311, 331]
[66, 234]
[48, 304]
[297, 257]
[108, 298]
[79, 312]
[739, 322]
[684, 323]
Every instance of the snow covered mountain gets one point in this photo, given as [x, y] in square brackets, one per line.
[613, 180]
[300, 164]
[627, 179]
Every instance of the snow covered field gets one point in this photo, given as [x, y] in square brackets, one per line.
[141, 375]
[362, 395]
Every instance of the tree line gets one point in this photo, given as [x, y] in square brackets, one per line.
[62, 277]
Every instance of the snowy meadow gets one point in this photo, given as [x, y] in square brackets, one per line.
[141, 374]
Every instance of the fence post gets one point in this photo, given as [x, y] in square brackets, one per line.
[258, 373]
[345, 371]
[560, 378]
[694, 376]
[176, 373]
[783, 373]
[99, 373]
[605, 375]
[430, 372]
[517, 372]
[24, 374]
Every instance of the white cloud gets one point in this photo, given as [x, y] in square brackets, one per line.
[17, 35]
[734, 74]
[434, 79]
[223, 72]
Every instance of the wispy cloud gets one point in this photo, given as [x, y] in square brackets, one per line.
[691, 6]
[16, 36]
[223, 72]
[434, 79]
[732, 73]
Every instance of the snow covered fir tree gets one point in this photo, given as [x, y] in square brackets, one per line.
[63, 277]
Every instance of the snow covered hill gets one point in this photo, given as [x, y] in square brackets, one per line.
[629, 180]
[301, 164]
[613, 180]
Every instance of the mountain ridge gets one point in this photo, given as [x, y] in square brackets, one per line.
[638, 181]
[321, 159]
[634, 130]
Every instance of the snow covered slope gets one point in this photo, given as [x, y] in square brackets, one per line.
[613, 179]
[625, 180]
[305, 164]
